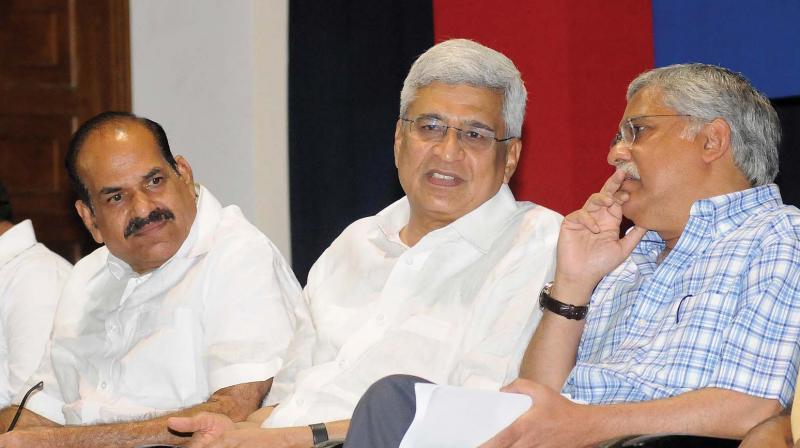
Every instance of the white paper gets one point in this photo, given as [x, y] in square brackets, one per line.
[457, 417]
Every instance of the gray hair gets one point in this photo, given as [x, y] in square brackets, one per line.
[462, 61]
[707, 92]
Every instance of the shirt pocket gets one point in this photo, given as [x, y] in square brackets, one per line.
[694, 332]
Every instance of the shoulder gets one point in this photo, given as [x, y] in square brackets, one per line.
[538, 221]
[235, 235]
[349, 246]
[91, 264]
[778, 226]
[39, 258]
[243, 254]
[356, 231]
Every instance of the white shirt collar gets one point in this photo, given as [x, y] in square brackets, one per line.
[478, 227]
[198, 242]
[16, 240]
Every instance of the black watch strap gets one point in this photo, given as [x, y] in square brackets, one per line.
[319, 432]
[546, 301]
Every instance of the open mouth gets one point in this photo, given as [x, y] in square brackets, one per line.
[443, 179]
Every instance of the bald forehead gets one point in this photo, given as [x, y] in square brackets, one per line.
[114, 133]
[116, 142]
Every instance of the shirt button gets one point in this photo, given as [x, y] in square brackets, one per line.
[103, 385]
[300, 402]
[342, 362]
[380, 317]
[409, 261]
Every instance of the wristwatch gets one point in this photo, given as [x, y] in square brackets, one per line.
[319, 433]
[573, 312]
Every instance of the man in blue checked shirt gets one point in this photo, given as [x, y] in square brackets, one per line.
[693, 317]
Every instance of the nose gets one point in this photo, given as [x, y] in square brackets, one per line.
[618, 153]
[142, 203]
[450, 148]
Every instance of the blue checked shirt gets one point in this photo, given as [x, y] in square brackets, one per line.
[722, 310]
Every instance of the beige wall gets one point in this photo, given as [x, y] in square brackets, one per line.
[214, 74]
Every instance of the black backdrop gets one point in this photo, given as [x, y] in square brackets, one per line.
[789, 175]
[347, 62]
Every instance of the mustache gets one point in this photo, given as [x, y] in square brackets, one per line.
[136, 224]
[630, 169]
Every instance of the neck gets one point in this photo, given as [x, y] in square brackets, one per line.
[5, 226]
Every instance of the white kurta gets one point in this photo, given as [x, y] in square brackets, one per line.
[456, 308]
[31, 278]
[220, 312]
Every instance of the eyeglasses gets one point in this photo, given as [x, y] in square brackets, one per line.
[629, 130]
[433, 130]
[38, 386]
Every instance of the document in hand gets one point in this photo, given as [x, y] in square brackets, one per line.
[457, 417]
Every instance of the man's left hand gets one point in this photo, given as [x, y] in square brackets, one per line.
[206, 426]
[544, 424]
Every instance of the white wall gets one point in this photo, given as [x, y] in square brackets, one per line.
[214, 74]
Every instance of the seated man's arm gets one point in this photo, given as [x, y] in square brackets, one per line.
[554, 421]
[589, 247]
[775, 432]
[236, 402]
[26, 419]
[218, 430]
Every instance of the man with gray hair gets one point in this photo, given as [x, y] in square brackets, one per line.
[690, 322]
[438, 284]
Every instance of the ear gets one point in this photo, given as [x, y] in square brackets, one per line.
[717, 139]
[185, 170]
[513, 151]
[88, 218]
[398, 139]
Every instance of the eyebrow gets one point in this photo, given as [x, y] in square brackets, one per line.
[472, 123]
[111, 190]
[150, 174]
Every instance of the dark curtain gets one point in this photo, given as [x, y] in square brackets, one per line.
[347, 62]
[789, 175]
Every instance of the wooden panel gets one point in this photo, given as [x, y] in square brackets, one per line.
[35, 38]
[61, 62]
[32, 150]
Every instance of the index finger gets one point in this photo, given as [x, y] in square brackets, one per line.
[614, 182]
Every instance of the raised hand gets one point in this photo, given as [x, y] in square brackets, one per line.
[589, 246]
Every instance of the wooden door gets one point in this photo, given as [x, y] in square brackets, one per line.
[61, 62]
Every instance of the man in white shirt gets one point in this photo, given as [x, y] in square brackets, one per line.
[186, 308]
[441, 283]
[31, 278]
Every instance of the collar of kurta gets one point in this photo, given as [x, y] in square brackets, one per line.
[198, 242]
[16, 240]
[480, 227]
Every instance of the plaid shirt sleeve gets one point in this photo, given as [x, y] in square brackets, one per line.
[761, 348]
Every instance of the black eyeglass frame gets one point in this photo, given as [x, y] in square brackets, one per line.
[620, 135]
[36, 387]
[459, 130]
